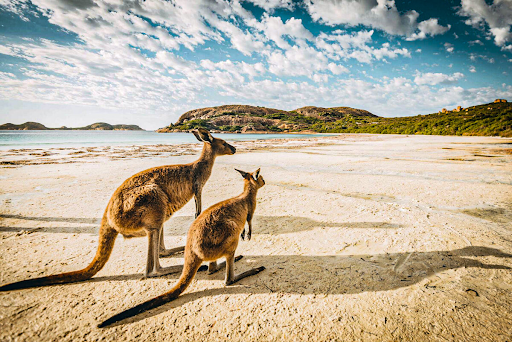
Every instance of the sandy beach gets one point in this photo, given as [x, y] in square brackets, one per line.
[364, 237]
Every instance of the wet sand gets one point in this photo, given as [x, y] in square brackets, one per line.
[364, 237]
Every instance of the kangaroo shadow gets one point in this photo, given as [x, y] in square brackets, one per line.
[178, 225]
[70, 229]
[332, 274]
[275, 225]
[54, 219]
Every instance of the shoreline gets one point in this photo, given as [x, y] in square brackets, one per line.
[95, 139]
[59, 155]
[63, 155]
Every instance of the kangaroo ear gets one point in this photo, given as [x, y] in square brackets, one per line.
[204, 135]
[256, 174]
[197, 135]
[244, 174]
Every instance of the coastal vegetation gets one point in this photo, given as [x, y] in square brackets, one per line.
[492, 119]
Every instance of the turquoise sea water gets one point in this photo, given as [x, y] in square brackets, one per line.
[66, 139]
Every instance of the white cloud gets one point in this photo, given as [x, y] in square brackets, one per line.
[269, 5]
[337, 69]
[244, 42]
[433, 79]
[320, 78]
[173, 24]
[498, 16]
[501, 35]
[385, 51]
[340, 45]
[5, 50]
[429, 27]
[357, 40]
[449, 47]
[297, 61]
[472, 68]
[474, 57]
[235, 68]
[475, 42]
[20, 7]
[82, 77]
[379, 14]
[275, 29]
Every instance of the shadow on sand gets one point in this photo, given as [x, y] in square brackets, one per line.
[53, 219]
[294, 274]
[178, 225]
[71, 229]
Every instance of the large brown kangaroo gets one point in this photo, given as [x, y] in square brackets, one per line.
[140, 206]
[213, 235]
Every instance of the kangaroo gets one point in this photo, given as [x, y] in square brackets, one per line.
[140, 206]
[214, 234]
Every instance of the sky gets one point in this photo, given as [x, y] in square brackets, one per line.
[75, 62]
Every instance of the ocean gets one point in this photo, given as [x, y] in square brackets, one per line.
[68, 139]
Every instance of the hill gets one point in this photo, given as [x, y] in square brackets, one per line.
[102, 126]
[493, 119]
[251, 119]
[24, 127]
[99, 126]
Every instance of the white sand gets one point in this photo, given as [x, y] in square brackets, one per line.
[364, 237]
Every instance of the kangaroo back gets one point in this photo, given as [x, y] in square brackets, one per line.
[106, 245]
[192, 263]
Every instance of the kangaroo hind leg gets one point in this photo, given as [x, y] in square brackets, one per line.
[231, 278]
[164, 252]
[214, 266]
[153, 268]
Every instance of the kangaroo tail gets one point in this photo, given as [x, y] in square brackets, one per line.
[192, 263]
[106, 245]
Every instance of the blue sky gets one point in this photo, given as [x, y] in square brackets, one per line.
[72, 63]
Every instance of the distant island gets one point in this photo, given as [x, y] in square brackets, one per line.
[99, 126]
[492, 119]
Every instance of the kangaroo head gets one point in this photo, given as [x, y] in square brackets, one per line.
[219, 146]
[253, 178]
